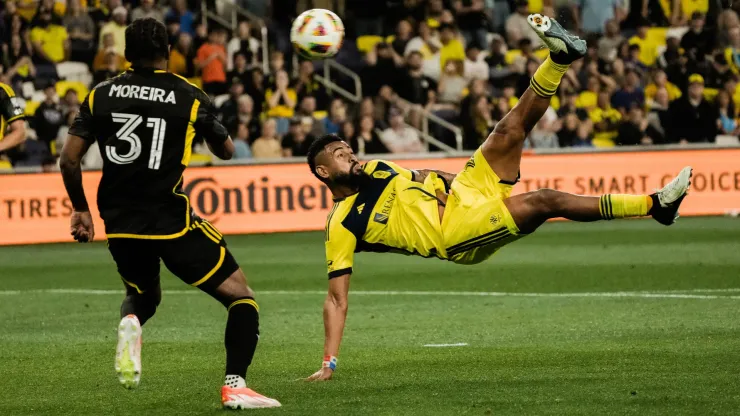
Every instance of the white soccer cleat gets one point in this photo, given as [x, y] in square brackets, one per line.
[245, 398]
[128, 352]
[671, 196]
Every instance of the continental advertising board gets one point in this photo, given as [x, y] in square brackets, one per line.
[277, 198]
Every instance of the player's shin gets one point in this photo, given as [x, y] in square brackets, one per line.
[242, 334]
[546, 80]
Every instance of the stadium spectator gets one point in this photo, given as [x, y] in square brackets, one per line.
[69, 104]
[693, 118]
[211, 61]
[277, 63]
[246, 115]
[268, 145]
[400, 41]
[347, 132]
[473, 22]
[182, 56]
[173, 28]
[51, 44]
[413, 86]
[256, 89]
[474, 66]
[243, 43]
[18, 64]
[660, 81]
[48, 119]
[477, 123]
[728, 121]
[659, 117]
[368, 16]
[636, 130]
[543, 135]
[648, 49]
[452, 48]
[81, 30]
[606, 121]
[240, 70]
[630, 95]
[452, 83]
[241, 143]
[594, 14]
[307, 85]
[575, 131]
[116, 27]
[337, 116]
[697, 42]
[297, 141]
[400, 138]
[281, 101]
[609, 43]
[732, 52]
[147, 8]
[307, 110]
[186, 17]
[367, 141]
[106, 53]
[380, 69]
[201, 35]
[434, 13]
[426, 43]
[517, 26]
[229, 110]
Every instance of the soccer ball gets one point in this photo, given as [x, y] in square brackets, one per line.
[317, 34]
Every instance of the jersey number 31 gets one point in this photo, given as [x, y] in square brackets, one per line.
[126, 133]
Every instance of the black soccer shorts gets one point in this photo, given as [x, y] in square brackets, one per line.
[199, 258]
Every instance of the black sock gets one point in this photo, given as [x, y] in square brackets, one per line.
[656, 204]
[242, 334]
[142, 305]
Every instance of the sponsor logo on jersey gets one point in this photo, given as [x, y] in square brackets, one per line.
[381, 218]
[495, 219]
[142, 93]
[381, 174]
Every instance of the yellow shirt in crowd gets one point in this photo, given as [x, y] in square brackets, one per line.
[52, 40]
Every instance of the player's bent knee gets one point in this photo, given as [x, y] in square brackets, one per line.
[545, 201]
[233, 288]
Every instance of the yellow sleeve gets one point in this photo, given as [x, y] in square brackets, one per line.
[406, 173]
[340, 247]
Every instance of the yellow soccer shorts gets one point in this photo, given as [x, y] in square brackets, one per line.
[476, 222]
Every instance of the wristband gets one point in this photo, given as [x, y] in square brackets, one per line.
[330, 361]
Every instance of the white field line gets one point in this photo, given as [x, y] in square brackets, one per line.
[459, 344]
[695, 293]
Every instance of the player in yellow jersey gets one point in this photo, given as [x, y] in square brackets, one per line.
[463, 218]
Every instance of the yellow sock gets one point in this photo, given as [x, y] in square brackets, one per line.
[547, 78]
[623, 206]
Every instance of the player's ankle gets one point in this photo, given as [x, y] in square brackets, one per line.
[235, 381]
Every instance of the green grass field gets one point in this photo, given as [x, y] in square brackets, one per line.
[612, 318]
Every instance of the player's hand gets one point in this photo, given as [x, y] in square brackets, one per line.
[81, 226]
[323, 374]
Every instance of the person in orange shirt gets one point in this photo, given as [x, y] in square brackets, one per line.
[211, 61]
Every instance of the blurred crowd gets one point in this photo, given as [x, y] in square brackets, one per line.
[657, 71]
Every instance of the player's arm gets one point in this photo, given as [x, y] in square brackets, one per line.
[210, 128]
[81, 136]
[421, 175]
[13, 114]
[340, 245]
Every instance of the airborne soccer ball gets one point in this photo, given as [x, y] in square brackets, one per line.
[317, 34]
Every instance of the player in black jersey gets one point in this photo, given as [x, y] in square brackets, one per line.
[145, 121]
[11, 119]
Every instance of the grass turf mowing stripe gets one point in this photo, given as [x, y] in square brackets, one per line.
[640, 294]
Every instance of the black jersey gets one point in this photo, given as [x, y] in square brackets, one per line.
[10, 108]
[145, 122]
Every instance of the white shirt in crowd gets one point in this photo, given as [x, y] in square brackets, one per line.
[403, 140]
[234, 46]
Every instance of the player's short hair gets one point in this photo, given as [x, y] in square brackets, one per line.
[146, 41]
[315, 150]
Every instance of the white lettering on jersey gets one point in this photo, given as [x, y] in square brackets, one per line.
[141, 93]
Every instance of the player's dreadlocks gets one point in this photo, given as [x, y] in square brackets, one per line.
[146, 41]
[316, 148]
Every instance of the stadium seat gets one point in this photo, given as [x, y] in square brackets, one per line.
[220, 100]
[74, 71]
[367, 43]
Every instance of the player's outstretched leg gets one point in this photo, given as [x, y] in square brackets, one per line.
[136, 309]
[503, 148]
[242, 334]
[532, 209]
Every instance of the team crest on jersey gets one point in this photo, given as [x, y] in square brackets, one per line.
[495, 219]
[381, 218]
[381, 174]
[360, 208]
[471, 163]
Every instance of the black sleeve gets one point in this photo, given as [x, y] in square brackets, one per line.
[10, 105]
[207, 124]
[83, 126]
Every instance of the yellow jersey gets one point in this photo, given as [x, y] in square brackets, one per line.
[390, 213]
[11, 108]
